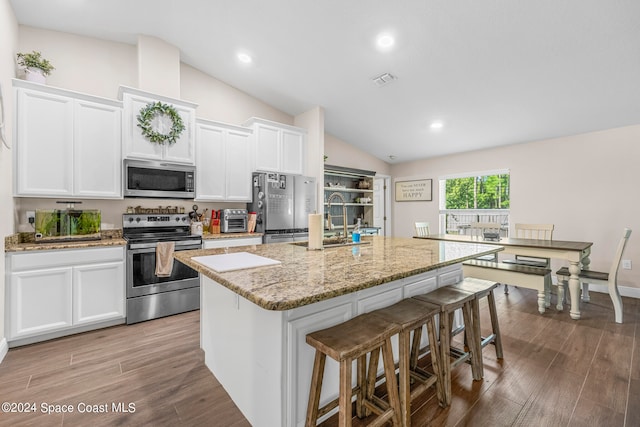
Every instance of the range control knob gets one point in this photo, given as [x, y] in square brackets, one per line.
[137, 219]
[177, 219]
[130, 219]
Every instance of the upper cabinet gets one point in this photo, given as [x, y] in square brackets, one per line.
[138, 146]
[223, 162]
[66, 143]
[278, 147]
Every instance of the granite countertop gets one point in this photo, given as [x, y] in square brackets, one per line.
[305, 276]
[21, 242]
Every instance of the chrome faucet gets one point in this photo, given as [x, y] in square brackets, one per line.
[344, 211]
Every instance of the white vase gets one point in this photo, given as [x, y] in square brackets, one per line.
[35, 75]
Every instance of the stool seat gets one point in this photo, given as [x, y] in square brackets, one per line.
[410, 315]
[450, 299]
[479, 287]
[345, 342]
[351, 338]
[447, 298]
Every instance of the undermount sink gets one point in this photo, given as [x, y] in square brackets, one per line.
[334, 242]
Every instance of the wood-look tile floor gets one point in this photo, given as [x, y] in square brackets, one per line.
[556, 372]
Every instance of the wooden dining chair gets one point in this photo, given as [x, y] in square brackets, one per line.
[485, 230]
[532, 231]
[609, 279]
[422, 229]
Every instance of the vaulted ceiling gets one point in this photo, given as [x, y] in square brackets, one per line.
[491, 72]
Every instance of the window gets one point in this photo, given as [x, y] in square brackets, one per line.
[476, 197]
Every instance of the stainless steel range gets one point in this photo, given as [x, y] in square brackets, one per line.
[150, 296]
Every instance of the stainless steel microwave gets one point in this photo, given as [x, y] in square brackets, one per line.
[144, 178]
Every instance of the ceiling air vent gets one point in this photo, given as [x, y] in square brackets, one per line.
[384, 79]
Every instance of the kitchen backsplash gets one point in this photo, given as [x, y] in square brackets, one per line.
[111, 210]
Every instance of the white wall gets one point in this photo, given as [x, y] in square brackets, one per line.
[218, 101]
[584, 184]
[83, 64]
[8, 50]
[341, 153]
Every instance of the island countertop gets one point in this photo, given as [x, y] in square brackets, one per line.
[309, 276]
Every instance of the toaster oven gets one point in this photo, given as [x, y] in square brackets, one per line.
[233, 220]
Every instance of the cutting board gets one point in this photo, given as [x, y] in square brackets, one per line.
[235, 261]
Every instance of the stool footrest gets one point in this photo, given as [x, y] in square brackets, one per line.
[459, 356]
[488, 340]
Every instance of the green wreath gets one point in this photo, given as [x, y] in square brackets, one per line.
[154, 109]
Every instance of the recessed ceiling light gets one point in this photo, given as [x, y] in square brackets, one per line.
[244, 58]
[385, 41]
[436, 125]
[392, 157]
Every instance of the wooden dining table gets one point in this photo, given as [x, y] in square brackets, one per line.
[576, 253]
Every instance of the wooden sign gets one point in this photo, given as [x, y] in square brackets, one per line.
[413, 191]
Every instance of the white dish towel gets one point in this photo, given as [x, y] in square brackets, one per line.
[164, 258]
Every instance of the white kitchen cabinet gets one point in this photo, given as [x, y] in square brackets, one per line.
[97, 160]
[223, 162]
[43, 151]
[278, 147]
[66, 143]
[40, 301]
[231, 242]
[55, 293]
[95, 297]
[136, 146]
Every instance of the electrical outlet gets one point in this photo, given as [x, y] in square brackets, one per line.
[626, 264]
[31, 217]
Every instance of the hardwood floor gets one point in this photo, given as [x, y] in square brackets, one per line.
[556, 371]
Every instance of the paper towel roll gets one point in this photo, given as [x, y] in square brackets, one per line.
[316, 231]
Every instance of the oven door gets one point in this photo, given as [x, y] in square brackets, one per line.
[141, 271]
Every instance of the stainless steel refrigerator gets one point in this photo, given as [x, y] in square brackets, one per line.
[283, 204]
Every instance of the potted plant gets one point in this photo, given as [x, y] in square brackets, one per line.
[36, 67]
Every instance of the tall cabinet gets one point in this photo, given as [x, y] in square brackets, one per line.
[66, 143]
[356, 187]
[278, 147]
[223, 161]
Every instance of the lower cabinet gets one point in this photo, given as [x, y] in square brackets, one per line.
[55, 293]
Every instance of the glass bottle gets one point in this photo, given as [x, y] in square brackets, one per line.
[355, 234]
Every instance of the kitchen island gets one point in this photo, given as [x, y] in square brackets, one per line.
[254, 321]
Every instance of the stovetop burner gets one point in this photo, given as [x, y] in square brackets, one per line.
[157, 228]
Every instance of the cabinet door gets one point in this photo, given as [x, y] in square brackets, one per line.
[44, 144]
[238, 173]
[292, 152]
[183, 151]
[97, 145]
[98, 292]
[267, 148]
[137, 146]
[210, 165]
[40, 301]
[301, 355]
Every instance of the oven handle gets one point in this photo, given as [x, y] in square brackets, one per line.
[182, 246]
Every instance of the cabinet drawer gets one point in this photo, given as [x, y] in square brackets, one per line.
[45, 259]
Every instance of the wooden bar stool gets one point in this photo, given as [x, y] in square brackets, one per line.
[410, 314]
[346, 342]
[450, 299]
[481, 289]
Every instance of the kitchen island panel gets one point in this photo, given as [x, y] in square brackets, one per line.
[246, 344]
